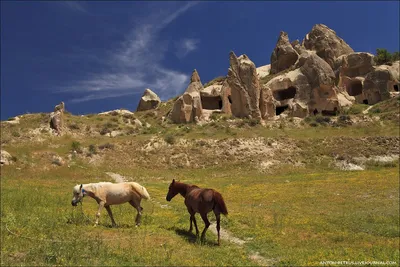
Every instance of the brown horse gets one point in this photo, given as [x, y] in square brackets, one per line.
[201, 200]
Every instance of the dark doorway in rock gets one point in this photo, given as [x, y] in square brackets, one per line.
[329, 112]
[315, 112]
[230, 99]
[279, 110]
[211, 102]
[355, 88]
[284, 94]
[365, 101]
[396, 87]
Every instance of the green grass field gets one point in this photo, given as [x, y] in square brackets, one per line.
[290, 218]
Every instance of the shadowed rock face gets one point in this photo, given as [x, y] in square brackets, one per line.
[244, 86]
[188, 108]
[284, 55]
[149, 100]
[326, 43]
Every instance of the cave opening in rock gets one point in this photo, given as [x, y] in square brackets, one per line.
[365, 101]
[315, 112]
[396, 87]
[280, 109]
[355, 88]
[230, 99]
[330, 112]
[284, 94]
[211, 102]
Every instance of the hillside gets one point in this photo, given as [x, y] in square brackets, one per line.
[298, 190]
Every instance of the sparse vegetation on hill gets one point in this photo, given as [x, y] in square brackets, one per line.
[385, 57]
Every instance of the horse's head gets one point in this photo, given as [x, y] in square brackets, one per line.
[172, 191]
[77, 195]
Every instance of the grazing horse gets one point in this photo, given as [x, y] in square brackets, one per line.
[107, 194]
[201, 200]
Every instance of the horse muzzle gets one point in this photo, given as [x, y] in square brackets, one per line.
[74, 203]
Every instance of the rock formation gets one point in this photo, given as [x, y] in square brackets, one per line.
[326, 43]
[188, 108]
[244, 86]
[149, 100]
[56, 118]
[284, 55]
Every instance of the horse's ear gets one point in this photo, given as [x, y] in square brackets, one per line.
[173, 180]
[80, 188]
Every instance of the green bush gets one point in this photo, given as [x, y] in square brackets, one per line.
[92, 149]
[76, 146]
[16, 134]
[170, 139]
[385, 57]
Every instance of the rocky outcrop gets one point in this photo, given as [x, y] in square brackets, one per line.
[355, 64]
[149, 100]
[244, 87]
[188, 108]
[326, 43]
[5, 158]
[211, 97]
[309, 89]
[284, 55]
[57, 118]
[378, 84]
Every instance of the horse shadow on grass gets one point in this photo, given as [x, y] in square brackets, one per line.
[191, 237]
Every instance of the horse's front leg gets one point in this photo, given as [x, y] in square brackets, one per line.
[108, 208]
[101, 205]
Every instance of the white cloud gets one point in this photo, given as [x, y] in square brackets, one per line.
[136, 64]
[185, 47]
[74, 5]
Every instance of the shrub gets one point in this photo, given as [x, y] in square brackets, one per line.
[218, 80]
[385, 57]
[92, 149]
[74, 126]
[105, 131]
[322, 119]
[76, 146]
[170, 139]
[106, 146]
[16, 134]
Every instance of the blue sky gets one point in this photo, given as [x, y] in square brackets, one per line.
[99, 56]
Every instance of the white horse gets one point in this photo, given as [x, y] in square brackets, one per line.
[107, 194]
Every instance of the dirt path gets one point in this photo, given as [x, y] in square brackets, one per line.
[225, 235]
[254, 256]
[367, 110]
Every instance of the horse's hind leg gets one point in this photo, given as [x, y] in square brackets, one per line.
[111, 215]
[207, 224]
[136, 205]
[218, 217]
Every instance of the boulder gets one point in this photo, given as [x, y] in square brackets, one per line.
[149, 100]
[326, 43]
[244, 87]
[5, 158]
[284, 55]
[188, 108]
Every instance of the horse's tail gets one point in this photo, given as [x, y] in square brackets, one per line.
[219, 200]
[141, 190]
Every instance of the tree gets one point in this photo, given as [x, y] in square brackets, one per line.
[382, 56]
